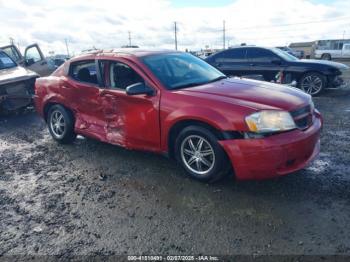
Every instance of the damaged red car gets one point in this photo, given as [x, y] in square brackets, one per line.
[174, 103]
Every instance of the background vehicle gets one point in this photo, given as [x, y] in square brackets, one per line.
[312, 76]
[177, 104]
[32, 59]
[332, 49]
[16, 84]
[297, 53]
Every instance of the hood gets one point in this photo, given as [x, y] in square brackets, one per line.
[16, 74]
[255, 94]
[340, 66]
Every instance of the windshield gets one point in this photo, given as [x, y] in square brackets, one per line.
[6, 61]
[181, 70]
[284, 55]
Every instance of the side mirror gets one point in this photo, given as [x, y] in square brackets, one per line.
[29, 61]
[139, 89]
[276, 61]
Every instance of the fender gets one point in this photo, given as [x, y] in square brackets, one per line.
[53, 98]
[202, 114]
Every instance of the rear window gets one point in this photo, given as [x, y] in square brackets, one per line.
[84, 71]
[6, 61]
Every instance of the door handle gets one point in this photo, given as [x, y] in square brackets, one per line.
[104, 93]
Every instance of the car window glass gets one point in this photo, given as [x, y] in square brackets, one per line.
[33, 53]
[84, 72]
[178, 70]
[260, 55]
[231, 55]
[121, 76]
[347, 47]
[11, 52]
[6, 61]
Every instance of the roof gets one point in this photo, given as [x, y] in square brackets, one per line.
[128, 51]
[302, 44]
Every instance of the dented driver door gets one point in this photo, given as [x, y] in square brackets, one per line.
[131, 121]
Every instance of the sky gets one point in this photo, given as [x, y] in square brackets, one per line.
[106, 24]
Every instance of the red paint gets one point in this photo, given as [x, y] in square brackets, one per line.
[144, 122]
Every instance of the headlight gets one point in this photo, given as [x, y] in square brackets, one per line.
[268, 121]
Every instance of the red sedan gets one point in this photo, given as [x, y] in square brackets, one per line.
[174, 103]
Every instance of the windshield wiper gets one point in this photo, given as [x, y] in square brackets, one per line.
[217, 79]
[188, 85]
[198, 83]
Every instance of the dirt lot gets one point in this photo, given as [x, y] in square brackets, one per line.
[94, 198]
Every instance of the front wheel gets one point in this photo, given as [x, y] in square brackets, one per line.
[326, 57]
[200, 154]
[61, 124]
[313, 83]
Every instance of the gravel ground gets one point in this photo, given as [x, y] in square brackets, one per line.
[95, 198]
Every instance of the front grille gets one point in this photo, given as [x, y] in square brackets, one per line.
[303, 117]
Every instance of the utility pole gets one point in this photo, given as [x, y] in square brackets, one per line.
[65, 40]
[223, 35]
[12, 41]
[129, 38]
[175, 31]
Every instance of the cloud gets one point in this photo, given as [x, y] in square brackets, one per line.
[105, 23]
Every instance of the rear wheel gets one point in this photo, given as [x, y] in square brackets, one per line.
[200, 154]
[313, 83]
[61, 124]
[326, 57]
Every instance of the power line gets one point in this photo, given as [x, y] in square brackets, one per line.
[282, 25]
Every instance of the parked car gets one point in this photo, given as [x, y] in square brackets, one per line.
[342, 52]
[175, 103]
[16, 84]
[296, 53]
[32, 59]
[55, 62]
[312, 76]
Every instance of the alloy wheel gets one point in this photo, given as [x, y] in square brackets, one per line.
[312, 84]
[57, 124]
[197, 154]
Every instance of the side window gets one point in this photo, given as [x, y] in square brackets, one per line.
[119, 75]
[84, 71]
[260, 55]
[12, 52]
[231, 55]
[33, 54]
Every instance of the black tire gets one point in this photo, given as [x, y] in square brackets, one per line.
[67, 136]
[221, 165]
[326, 57]
[317, 79]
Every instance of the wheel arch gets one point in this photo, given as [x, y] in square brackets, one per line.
[176, 128]
[309, 71]
[49, 104]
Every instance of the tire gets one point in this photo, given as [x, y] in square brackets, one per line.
[326, 57]
[313, 83]
[206, 168]
[60, 122]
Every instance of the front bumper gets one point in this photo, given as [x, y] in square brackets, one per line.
[338, 82]
[276, 155]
